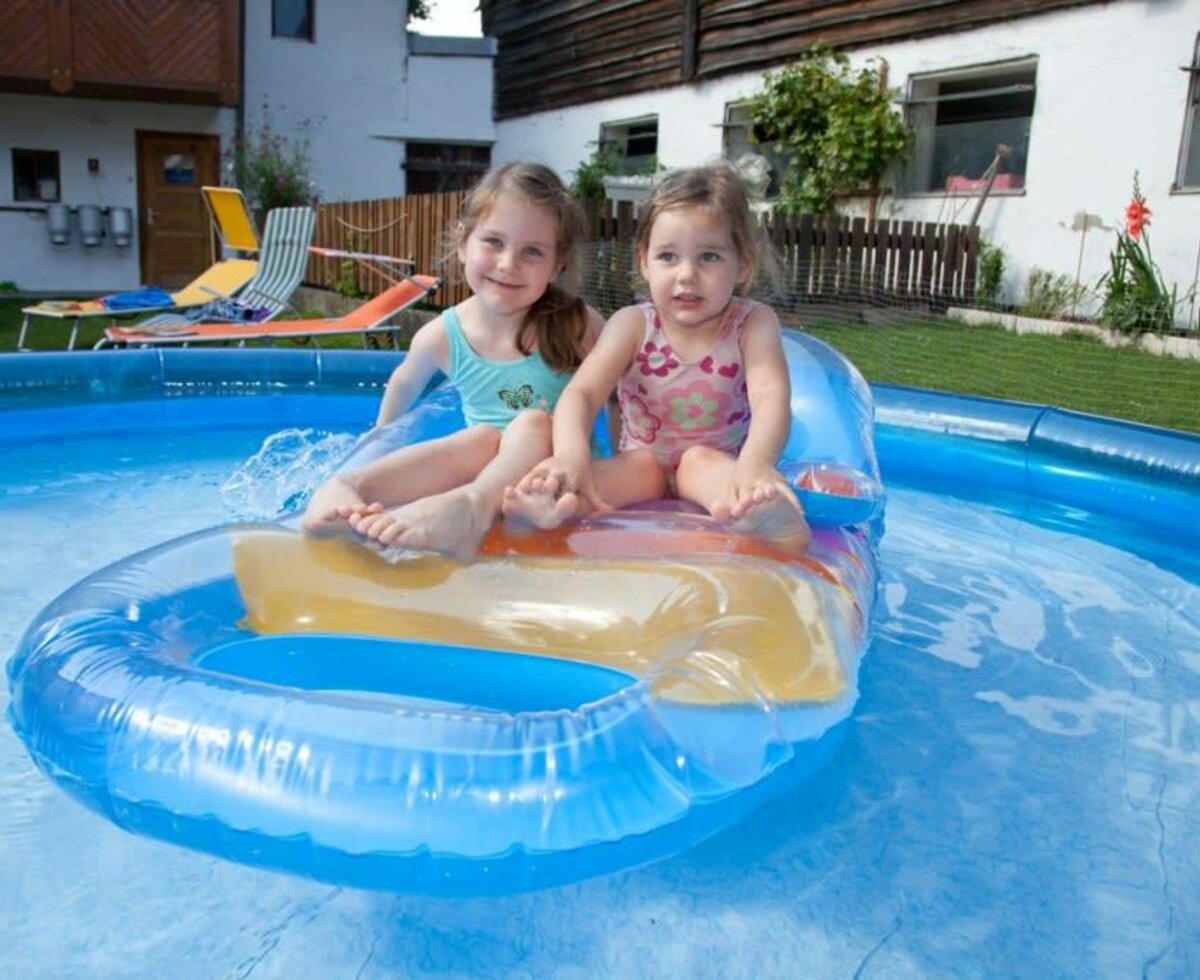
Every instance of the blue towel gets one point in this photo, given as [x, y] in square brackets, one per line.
[146, 298]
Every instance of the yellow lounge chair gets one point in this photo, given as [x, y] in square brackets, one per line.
[230, 217]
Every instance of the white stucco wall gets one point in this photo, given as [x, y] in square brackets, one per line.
[78, 129]
[347, 84]
[1110, 100]
[363, 93]
[448, 99]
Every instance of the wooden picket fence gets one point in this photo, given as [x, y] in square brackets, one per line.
[413, 228]
[824, 260]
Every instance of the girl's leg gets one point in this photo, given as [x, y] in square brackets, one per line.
[769, 510]
[627, 478]
[455, 521]
[401, 476]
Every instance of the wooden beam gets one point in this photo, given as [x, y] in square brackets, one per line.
[691, 39]
[62, 77]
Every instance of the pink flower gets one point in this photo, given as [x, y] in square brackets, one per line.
[641, 424]
[657, 361]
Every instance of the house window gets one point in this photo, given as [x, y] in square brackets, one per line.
[964, 123]
[35, 175]
[292, 18]
[1189, 154]
[431, 168]
[737, 142]
[637, 142]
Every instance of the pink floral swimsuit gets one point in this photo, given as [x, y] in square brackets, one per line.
[669, 405]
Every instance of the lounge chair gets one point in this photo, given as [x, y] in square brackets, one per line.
[234, 227]
[283, 258]
[371, 317]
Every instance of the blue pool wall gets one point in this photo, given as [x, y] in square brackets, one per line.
[1147, 475]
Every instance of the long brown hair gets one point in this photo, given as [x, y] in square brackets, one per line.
[557, 323]
[719, 190]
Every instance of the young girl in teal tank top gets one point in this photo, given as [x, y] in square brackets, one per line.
[510, 349]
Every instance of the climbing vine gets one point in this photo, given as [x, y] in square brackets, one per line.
[837, 125]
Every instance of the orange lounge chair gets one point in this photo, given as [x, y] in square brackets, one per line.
[373, 316]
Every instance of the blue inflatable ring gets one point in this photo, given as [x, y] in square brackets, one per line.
[616, 701]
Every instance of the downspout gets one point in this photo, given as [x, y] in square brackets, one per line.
[239, 111]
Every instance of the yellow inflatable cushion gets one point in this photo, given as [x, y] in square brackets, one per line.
[720, 631]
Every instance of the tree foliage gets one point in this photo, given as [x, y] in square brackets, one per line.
[837, 125]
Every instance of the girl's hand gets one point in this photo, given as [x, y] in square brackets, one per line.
[558, 475]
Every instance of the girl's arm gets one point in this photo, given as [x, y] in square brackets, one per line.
[428, 352]
[595, 324]
[575, 414]
[770, 393]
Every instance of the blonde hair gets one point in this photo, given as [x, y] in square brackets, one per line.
[557, 323]
[719, 190]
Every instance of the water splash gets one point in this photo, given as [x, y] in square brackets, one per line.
[279, 478]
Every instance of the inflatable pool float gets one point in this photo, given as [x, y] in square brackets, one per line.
[572, 703]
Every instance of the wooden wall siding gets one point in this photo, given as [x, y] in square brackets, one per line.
[25, 39]
[824, 260]
[569, 52]
[737, 35]
[565, 52]
[156, 49]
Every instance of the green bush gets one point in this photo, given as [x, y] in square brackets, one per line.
[990, 280]
[272, 169]
[607, 160]
[837, 125]
[1050, 295]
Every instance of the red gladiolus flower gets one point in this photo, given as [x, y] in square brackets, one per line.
[1137, 217]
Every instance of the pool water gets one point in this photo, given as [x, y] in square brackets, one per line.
[1017, 794]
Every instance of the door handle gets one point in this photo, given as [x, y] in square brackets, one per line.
[150, 215]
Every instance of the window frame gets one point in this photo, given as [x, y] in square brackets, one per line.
[617, 133]
[310, 7]
[778, 162]
[923, 95]
[422, 162]
[38, 158]
[1191, 126]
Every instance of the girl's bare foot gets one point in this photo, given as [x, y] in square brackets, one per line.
[335, 519]
[538, 508]
[332, 505]
[452, 523]
[774, 515]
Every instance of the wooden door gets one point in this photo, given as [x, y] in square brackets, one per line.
[173, 227]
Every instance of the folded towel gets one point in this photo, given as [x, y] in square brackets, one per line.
[146, 298]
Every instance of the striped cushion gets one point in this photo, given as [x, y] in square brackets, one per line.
[282, 261]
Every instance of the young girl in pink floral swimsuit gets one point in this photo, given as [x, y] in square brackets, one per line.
[700, 376]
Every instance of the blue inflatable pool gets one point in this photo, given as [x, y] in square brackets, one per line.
[571, 704]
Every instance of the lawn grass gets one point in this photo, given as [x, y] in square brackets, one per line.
[1073, 371]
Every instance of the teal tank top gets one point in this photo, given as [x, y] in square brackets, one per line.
[494, 392]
